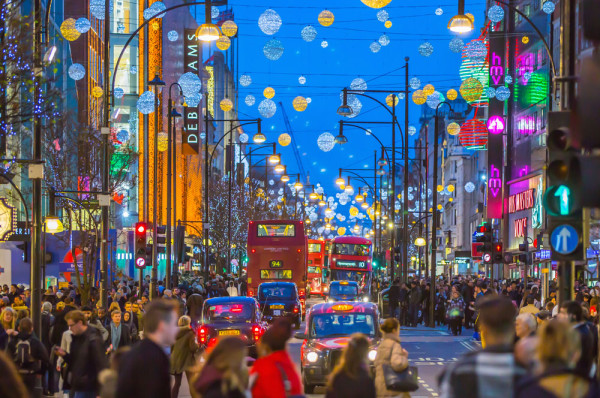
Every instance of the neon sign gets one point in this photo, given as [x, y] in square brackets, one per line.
[495, 181]
[521, 201]
[496, 69]
[520, 227]
[495, 125]
[191, 114]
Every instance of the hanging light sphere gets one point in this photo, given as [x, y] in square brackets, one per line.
[341, 231]
[76, 72]
[229, 28]
[68, 30]
[163, 141]
[243, 138]
[414, 83]
[226, 105]
[133, 69]
[502, 93]
[469, 187]
[173, 35]
[375, 47]
[456, 45]
[269, 92]
[308, 33]
[548, 7]
[245, 80]
[358, 84]
[223, 43]
[267, 108]
[491, 92]
[453, 128]
[190, 83]
[326, 142]
[326, 18]
[118, 93]
[434, 99]
[476, 51]
[97, 8]
[495, 13]
[123, 135]
[450, 188]
[97, 92]
[451, 94]
[300, 104]
[473, 134]
[273, 49]
[388, 24]
[439, 11]
[269, 22]
[391, 100]
[412, 130]
[401, 95]
[525, 39]
[155, 9]
[193, 100]
[324, 44]
[382, 15]
[384, 40]
[426, 49]
[302, 80]
[145, 103]
[508, 79]
[83, 25]
[376, 3]
[284, 139]
[419, 97]
[428, 89]
[214, 12]
[471, 89]
[250, 100]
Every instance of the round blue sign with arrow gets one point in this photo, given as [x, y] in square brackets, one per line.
[564, 239]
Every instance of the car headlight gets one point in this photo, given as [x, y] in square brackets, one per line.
[312, 357]
[372, 355]
[325, 289]
[366, 299]
[330, 300]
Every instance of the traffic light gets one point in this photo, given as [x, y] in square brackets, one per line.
[141, 257]
[562, 199]
[161, 239]
[188, 254]
[24, 247]
[484, 236]
[497, 254]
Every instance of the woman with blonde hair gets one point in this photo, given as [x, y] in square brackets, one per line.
[8, 318]
[389, 353]
[351, 378]
[224, 374]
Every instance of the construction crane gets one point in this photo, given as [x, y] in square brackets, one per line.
[288, 127]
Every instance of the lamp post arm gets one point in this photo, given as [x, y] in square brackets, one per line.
[225, 135]
[371, 134]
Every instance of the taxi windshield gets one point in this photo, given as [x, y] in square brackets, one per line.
[345, 290]
[329, 325]
[237, 312]
[273, 291]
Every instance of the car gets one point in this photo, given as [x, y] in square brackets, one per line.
[279, 300]
[329, 327]
[231, 316]
[344, 291]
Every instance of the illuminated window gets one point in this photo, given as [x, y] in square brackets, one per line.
[125, 79]
[124, 19]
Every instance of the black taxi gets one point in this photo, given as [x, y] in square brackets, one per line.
[343, 291]
[329, 327]
[231, 316]
[280, 299]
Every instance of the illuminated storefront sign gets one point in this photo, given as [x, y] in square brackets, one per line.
[521, 201]
[8, 220]
[495, 125]
[210, 87]
[520, 229]
[191, 114]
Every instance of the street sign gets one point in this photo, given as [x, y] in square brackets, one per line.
[564, 239]
[140, 262]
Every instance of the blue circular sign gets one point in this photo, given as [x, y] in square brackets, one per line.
[564, 239]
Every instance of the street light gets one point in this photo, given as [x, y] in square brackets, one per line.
[280, 168]
[53, 224]
[208, 31]
[359, 197]
[420, 242]
[381, 171]
[382, 160]
[274, 158]
[344, 109]
[341, 138]
[340, 181]
[461, 23]
[259, 137]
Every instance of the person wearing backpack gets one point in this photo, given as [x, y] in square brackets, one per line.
[28, 354]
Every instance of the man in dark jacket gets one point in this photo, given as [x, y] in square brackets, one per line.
[403, 301]
[414, 300]
[86, 357]
[29, 354]
[47, 368]
[394, 298]
[119, 334]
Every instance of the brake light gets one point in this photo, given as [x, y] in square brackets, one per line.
[202, 334]
[250, 293]
[253, 250]
[257, 332]
[299, 250]
[296, 309]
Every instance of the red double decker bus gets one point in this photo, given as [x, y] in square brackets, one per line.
[315, 268]
[351, 259]
[277, 252]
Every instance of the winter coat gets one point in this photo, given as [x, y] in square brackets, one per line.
[85, 360]
[389, 352]
[210, 385]
[344, 386]
[184, 350]
[414, 297]
[38, 352]
[456, 308]
[267, 377]
[557, 383]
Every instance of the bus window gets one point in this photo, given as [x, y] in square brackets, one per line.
[314, 247]
[276, 230]
[350, 249]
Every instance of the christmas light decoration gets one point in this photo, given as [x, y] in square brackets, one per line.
[388, 24]
[358, 84]
[267, 108]
[326, 18]
[97, 92]
[426, 49]
[223, 43]
[300, 104]
[68, 30]
[414, 83]
[145, 103]
[451, 94]
[226, 105]
[250, 100]
[269, 92]
[284, 139]
[375, 47]
[229, 28]
[302, 80]
[384, 40]
[428, 89]
[382, 15]
[453, 128]
[308, 33]
[83, 25]
[456, 45]
[473, 134]
[469, 187]
[273, 49]
[269, 22]
[76, 72]
[119, 93]
[324, 44]
[326, 142]
[173, 35]
[495, 13]
[471, 89]
[190, 83]
[419, 97]
[376, 3]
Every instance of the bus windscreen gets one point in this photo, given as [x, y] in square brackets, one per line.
[350, 249]
[276, 230]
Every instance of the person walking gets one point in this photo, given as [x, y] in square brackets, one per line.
[572, 313]
[394, 298]
[414, 300]
[232, 290]
[29, 354]
[390, 353]
[183, 354]
[11, 385]
[119, 334]
[351, 378]
[455, 312]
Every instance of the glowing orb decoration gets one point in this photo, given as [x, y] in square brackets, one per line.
[284, 139]
[382, 15]
[193, 100]
[97, 92]
[495, 13]
[451, 94]
[83, 25]
[324, 43]
[269, 22]
[173, 35]
[353, 211]
[77, 72]
[267, 108]
[97, 8]
[476, 51]
[223, 43]
[273, 49]
[308, 33]
[434, 99]
[471, 89]
[491, 92]
[384, 40]
[426, 49]
[428, 89]
[375, 47]
[214, 12]
[456, 45]
[548, 7]
[308, 100]
[419, 97]
[245, 80]
[376, 3]
[326, 141]
[145, 103]
[326, 18]
[453, 128]
[119, 93]
[229, 28]
[300, 103]
[502, 93]
[68, 30]
[133, 70]
[359, 84]
[508, 79]
[163, 142]
[302, 80]
[243, 138]
[495, 125]
[473, 134]
[341, 231]
[391, 100]
[439, 11]
[401, 95]
[414, 83]
[527, 75]
[156, 9]
[388, 24]
[123, 135]
[269, 92]
[525, 39]
[469, 187]
[190, 83]
[226, 105]
[250, 100]
[412, 130]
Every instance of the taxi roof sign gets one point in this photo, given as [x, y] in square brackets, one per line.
[342, 307]
[343, 282]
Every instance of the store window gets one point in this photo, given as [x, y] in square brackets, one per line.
[124, 17]
[125, 79]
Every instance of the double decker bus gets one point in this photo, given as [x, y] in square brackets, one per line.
[351, 259]
[277, 252]
[316, 267]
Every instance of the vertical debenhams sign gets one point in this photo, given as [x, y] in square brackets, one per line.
[191, 114]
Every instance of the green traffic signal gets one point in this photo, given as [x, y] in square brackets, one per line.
[559, 201]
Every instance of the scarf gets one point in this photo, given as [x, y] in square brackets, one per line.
[115, 335]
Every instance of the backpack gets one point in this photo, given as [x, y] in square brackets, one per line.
[23, 357]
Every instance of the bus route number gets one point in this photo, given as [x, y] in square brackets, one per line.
[275, 263]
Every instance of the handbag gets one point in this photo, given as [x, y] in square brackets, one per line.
[404, 381]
